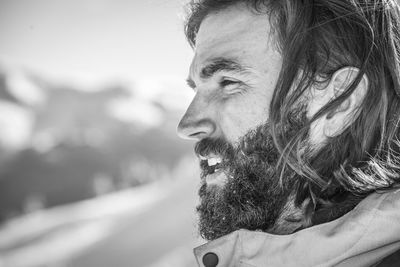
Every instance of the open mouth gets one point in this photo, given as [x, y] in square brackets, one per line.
[212, 170]
[210, 164]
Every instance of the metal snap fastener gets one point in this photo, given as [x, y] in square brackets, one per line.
[210, 259]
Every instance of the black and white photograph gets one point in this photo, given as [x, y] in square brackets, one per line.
[209, 133]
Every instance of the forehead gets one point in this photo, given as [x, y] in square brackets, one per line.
[235, 32]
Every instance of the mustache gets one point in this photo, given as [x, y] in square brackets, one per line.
[219, 147]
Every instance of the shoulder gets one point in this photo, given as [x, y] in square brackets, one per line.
[386, 203]
[362, 237]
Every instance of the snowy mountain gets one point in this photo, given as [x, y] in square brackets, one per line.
[61, 143]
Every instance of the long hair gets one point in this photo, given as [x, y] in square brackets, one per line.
[316, 38]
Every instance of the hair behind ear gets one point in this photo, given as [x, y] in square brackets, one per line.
[335, 106]
[345, 77]
[347, 111]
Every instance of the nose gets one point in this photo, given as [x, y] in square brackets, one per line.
[197, 123]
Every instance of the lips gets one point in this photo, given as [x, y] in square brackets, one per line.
[210, 164]
[212, 170]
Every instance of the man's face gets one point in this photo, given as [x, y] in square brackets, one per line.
[234, 73]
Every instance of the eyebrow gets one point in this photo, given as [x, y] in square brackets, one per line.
[217, 65]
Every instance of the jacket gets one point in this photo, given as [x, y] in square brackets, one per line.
[362, 237]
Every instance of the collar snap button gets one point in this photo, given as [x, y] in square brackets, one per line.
[210, 259]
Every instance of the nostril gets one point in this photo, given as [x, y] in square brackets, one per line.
[196, 129]
[198, 135]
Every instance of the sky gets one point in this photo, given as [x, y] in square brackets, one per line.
[92, 41]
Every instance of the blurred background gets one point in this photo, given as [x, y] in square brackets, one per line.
[91, 170]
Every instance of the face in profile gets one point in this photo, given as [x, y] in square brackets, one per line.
[289, 117]
[233, 73]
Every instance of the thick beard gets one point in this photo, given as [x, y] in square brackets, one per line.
[254, 195]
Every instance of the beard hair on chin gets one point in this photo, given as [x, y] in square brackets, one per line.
[254, 196]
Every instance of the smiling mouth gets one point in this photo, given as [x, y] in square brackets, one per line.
[212, 170]
[210, 164]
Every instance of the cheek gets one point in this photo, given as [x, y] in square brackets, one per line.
[239, 116]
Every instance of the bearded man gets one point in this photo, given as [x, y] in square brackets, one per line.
[295, 114]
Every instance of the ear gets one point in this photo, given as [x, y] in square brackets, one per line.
[336, 121]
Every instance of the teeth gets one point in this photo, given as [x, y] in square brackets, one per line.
[213, 161]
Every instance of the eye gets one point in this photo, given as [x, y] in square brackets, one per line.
[229, 82]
